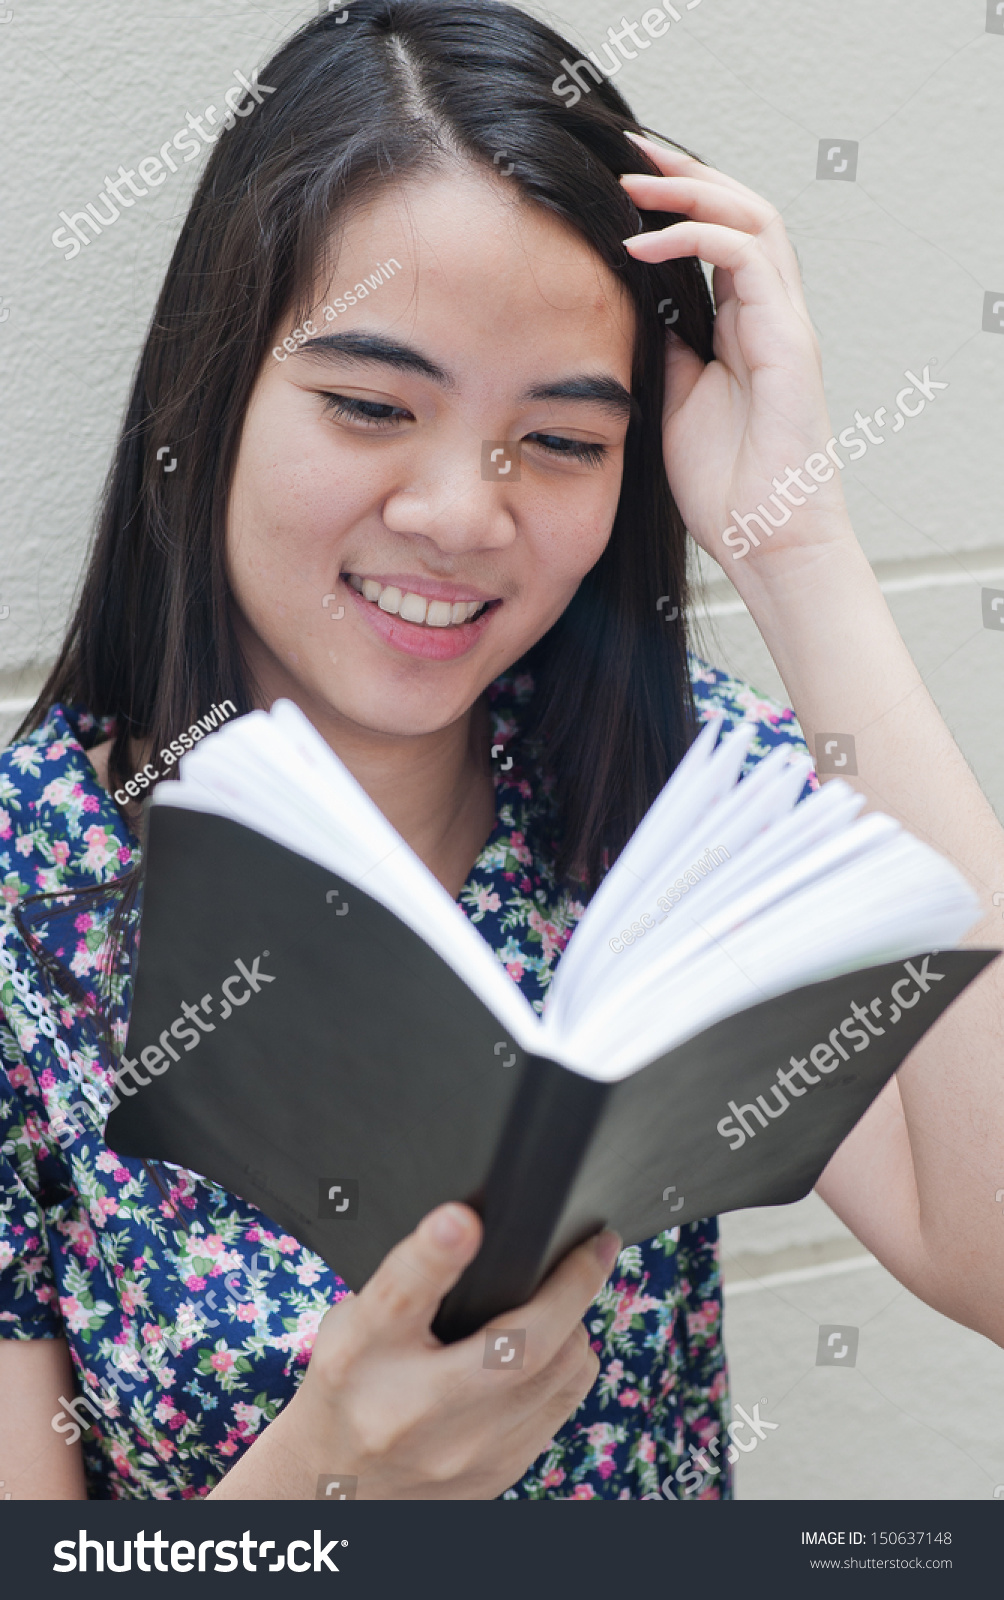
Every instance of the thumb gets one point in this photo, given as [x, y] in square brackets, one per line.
[406, 1288]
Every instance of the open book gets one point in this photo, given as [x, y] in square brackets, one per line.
[319, 1027]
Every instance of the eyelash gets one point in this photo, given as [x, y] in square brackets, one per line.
[350, 410]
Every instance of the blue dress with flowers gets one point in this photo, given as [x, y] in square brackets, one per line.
[189, 1315]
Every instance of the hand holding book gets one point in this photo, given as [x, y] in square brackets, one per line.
[364, 1084]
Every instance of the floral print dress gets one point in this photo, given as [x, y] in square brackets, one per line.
[190, 1316]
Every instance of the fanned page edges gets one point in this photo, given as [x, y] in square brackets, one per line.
[728, 893]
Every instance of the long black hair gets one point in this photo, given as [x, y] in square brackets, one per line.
[353, 101]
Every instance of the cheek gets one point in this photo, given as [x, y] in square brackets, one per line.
[571, 536]
[292, 504]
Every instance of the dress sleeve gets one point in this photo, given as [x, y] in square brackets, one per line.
[29, 1302]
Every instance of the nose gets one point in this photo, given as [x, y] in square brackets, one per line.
[447, 499]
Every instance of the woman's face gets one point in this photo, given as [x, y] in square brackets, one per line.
[368, 518]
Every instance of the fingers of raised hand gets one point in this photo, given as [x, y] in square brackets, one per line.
[704, 202]
[706, 195]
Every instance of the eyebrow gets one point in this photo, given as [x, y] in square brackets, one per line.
[358, 346]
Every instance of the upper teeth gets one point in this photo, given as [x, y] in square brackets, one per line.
[414, 607]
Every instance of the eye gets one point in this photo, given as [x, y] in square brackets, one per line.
[370, 413]
[574, 449]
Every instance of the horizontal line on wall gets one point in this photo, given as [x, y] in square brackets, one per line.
[776, 1280]
[935, 572]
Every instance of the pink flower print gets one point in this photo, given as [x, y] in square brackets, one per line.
[163, 1448]
[552, 1479]
[699, 1322]
[121, 1175]
[19, 1076]
[246, 1311]
[76, 1316]
[632, 1304]
[307, 1273]
[253, 1235]
[192, 1282]
[518, 848]
[106, 1162]
[583, 1491]
[83, 1241]
[84, 921]
[5, 828]
[757, 709]
[60, 852]
[103, 1207]
[91, 803]
[47, 1078]
[515, 970]
[615, 1371]
[628, 1397]
[9, 894]
[178, 1420]
[132, 1297]
[598, 1434]
[221, 1360]
[24, 845]
[56, 749]
[487, 899]
[124, 854]
[646, 1447]
[100, 849]
[152, 1333]
[605, 1467]
[248, 1417]
[288, 1245]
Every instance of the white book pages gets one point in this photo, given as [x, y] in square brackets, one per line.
[878, 909]
[725, 826]
[802, 892]
[707, 922]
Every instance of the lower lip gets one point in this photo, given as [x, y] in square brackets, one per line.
[416, 638]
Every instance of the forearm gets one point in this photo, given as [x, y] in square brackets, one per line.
[847, 671]
[917, 1178]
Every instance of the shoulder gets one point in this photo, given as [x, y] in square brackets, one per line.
[716, 690]
[58, 826]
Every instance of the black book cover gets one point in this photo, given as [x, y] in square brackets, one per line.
[338, 1074]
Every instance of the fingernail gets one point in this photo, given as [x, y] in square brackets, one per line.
[608, 1247]
[636, 137]
[448, 1225]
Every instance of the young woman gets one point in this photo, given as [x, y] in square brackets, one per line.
[407, 255]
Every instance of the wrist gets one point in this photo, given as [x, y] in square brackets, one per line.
[826, 571]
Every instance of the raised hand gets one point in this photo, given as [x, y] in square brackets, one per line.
[735, 426]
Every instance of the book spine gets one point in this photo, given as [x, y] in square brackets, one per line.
[540, 1150]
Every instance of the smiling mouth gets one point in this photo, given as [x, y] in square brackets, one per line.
[416, 608]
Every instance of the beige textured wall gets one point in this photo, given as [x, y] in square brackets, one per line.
[897, 265]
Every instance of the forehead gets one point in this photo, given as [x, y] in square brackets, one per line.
[482, 271]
